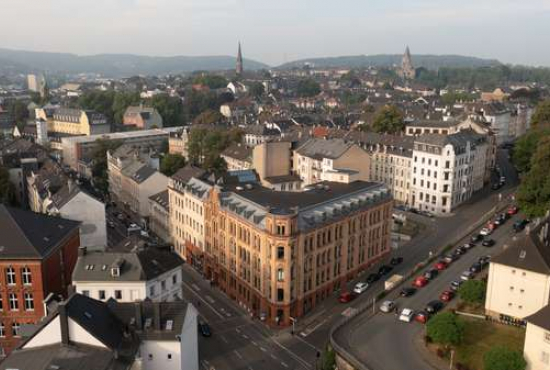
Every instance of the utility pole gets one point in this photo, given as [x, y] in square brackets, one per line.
[452, 358]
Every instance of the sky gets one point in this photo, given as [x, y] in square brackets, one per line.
[278, 31]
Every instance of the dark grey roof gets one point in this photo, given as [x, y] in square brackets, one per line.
[531, 252]
[321, 148]
[161, 199]
[141, 265]
[260, 130]
[541, 318]
[433, 123]
[143, 173]
[457, 140]
[186, 173]
[29, 235]
[282, 179]
[239, 152]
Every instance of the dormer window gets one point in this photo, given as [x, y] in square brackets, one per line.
[115, 272]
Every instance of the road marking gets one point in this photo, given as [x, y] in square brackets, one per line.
[210, 299]
[283, 364]
[245, 336]
[208, 304]
[273, 356]
[238, 354]
[254, 343]
[196, 287]
[263, 349]
[237, 330]
[223, 338]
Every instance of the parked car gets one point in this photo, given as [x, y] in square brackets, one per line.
[431, 274]
[484, 261]
[476, 268]
[434, 306]
[360, 288]
[520, 225]
[420, 282]
[466, 275]
[500, 219]
[461, 250]
[485, 231]
[346, 297]
[441, 265]
[387, 306]
[488, 243]
[468, 246]
[476, 238]
[496, 185]
[396, 261]
[447, 296]
[512, 210]
[384, 269]
[422, 317]
[491, 225]
[455, 285]
[407, 292]
[204, 329]
[371, 278]
[111, 224]
[450, 258]
[406, 315]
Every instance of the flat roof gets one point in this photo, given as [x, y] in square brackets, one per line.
[121, 135]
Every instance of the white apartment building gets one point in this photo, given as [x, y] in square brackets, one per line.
[149, 273]
[536, 349]
[519, 278]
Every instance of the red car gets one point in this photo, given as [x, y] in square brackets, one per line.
[346, 297]
[420, 282]
[512, 210]
[447, 296]
[422, 317]
[491, 226]
[441, 265]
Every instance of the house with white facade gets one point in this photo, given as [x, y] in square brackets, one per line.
[149, 273]
[87, 334]
[519, 278]
[536, 349]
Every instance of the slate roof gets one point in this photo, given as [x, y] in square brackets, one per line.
[161, 199]
[142, 265]
[321, 148]
[457, 140]
[541, 318]
[187, 173]
[29, 235]
[239, 152]
[531, 252]
[433, 123]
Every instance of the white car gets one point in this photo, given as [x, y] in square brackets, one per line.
[406, 315]
[387, 306]
[360, 288]
[485, 231]
[466, 275]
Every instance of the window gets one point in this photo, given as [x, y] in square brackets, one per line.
[280, 253]
[26, 276]
[175, 279]
[545, 357]
[280, 295]
[86, 293]
[280, 275]
[163, 285]
[29, 302]
[151, 291]
[1, 304]
[10, 276]
[14, 304]
[2, 330]
[15, 329]
[118, 294]
[169, 356]
[547, 337]
[150, 357]
[102, 294]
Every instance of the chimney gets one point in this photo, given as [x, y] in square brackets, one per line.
[139, 319]
[64, 323]
[156, 312]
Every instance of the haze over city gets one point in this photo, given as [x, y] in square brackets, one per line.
[275, 32]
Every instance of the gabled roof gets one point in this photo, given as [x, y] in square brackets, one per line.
[321, 148]
[187, 173]
[29, 235]
[541, 318]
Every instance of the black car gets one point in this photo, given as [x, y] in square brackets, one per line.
[476, 238]
[434, 306]
[484, 261]
[520, 225]
[476, 267]
[396, 261]
[431, 274]
[384, 269]
[407, 292]
[496, 185]
[461, 250]
[488, 243]
[204, 328]
[372, 278]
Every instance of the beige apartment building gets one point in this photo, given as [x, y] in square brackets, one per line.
[280, 253]
[519, 278]
[159, 215]
[75, 122]
[272, 161]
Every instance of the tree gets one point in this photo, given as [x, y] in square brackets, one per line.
[212, 81]
[473, 291]
[503, 358]
[445, 328]
[170, 108]
[256, 89]
[99, 101]
[328, 360]
[18, 110]
[99, 159]
[7, 189]
[208, 117]
[307, 88]
[541, 117]
[171, 163]
[121, 102]
[534, 190]
[388, 120]
[525, 149]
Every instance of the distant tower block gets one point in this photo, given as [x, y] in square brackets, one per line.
[407, 69]
[239, 67]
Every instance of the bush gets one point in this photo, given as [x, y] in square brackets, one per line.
[473, 291]
[446, 329]
[502, 358]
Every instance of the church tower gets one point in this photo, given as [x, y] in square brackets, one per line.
[407, 69]
[239, 67]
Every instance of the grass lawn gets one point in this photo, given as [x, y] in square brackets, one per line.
[480, 336]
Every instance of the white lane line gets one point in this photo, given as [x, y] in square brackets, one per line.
[273, 356]
[254, 343]
[223, 338]
[263, 349]
[237, 354]
[210, 299]
[196, 287]
[237, 330]
[284, 364]
[208, 304]
[245, 336]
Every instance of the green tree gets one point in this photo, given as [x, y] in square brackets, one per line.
[328, 359]
[99, 160]
[503, 358]
[525, 148]
[445, 328]
[308, 88]
[212, 81]
[7, 189]
[541, 117]
[171, 163]
[18, 110]
[256, 89]
[388, 120]
[170, 108]
[121, 102]
[473, 291]
[99, 101]
[534, 190]
[208, 117]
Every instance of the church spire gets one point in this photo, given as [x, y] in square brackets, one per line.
[239, 67]
[407, 69]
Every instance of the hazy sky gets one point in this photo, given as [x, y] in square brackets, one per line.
[275, 31]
